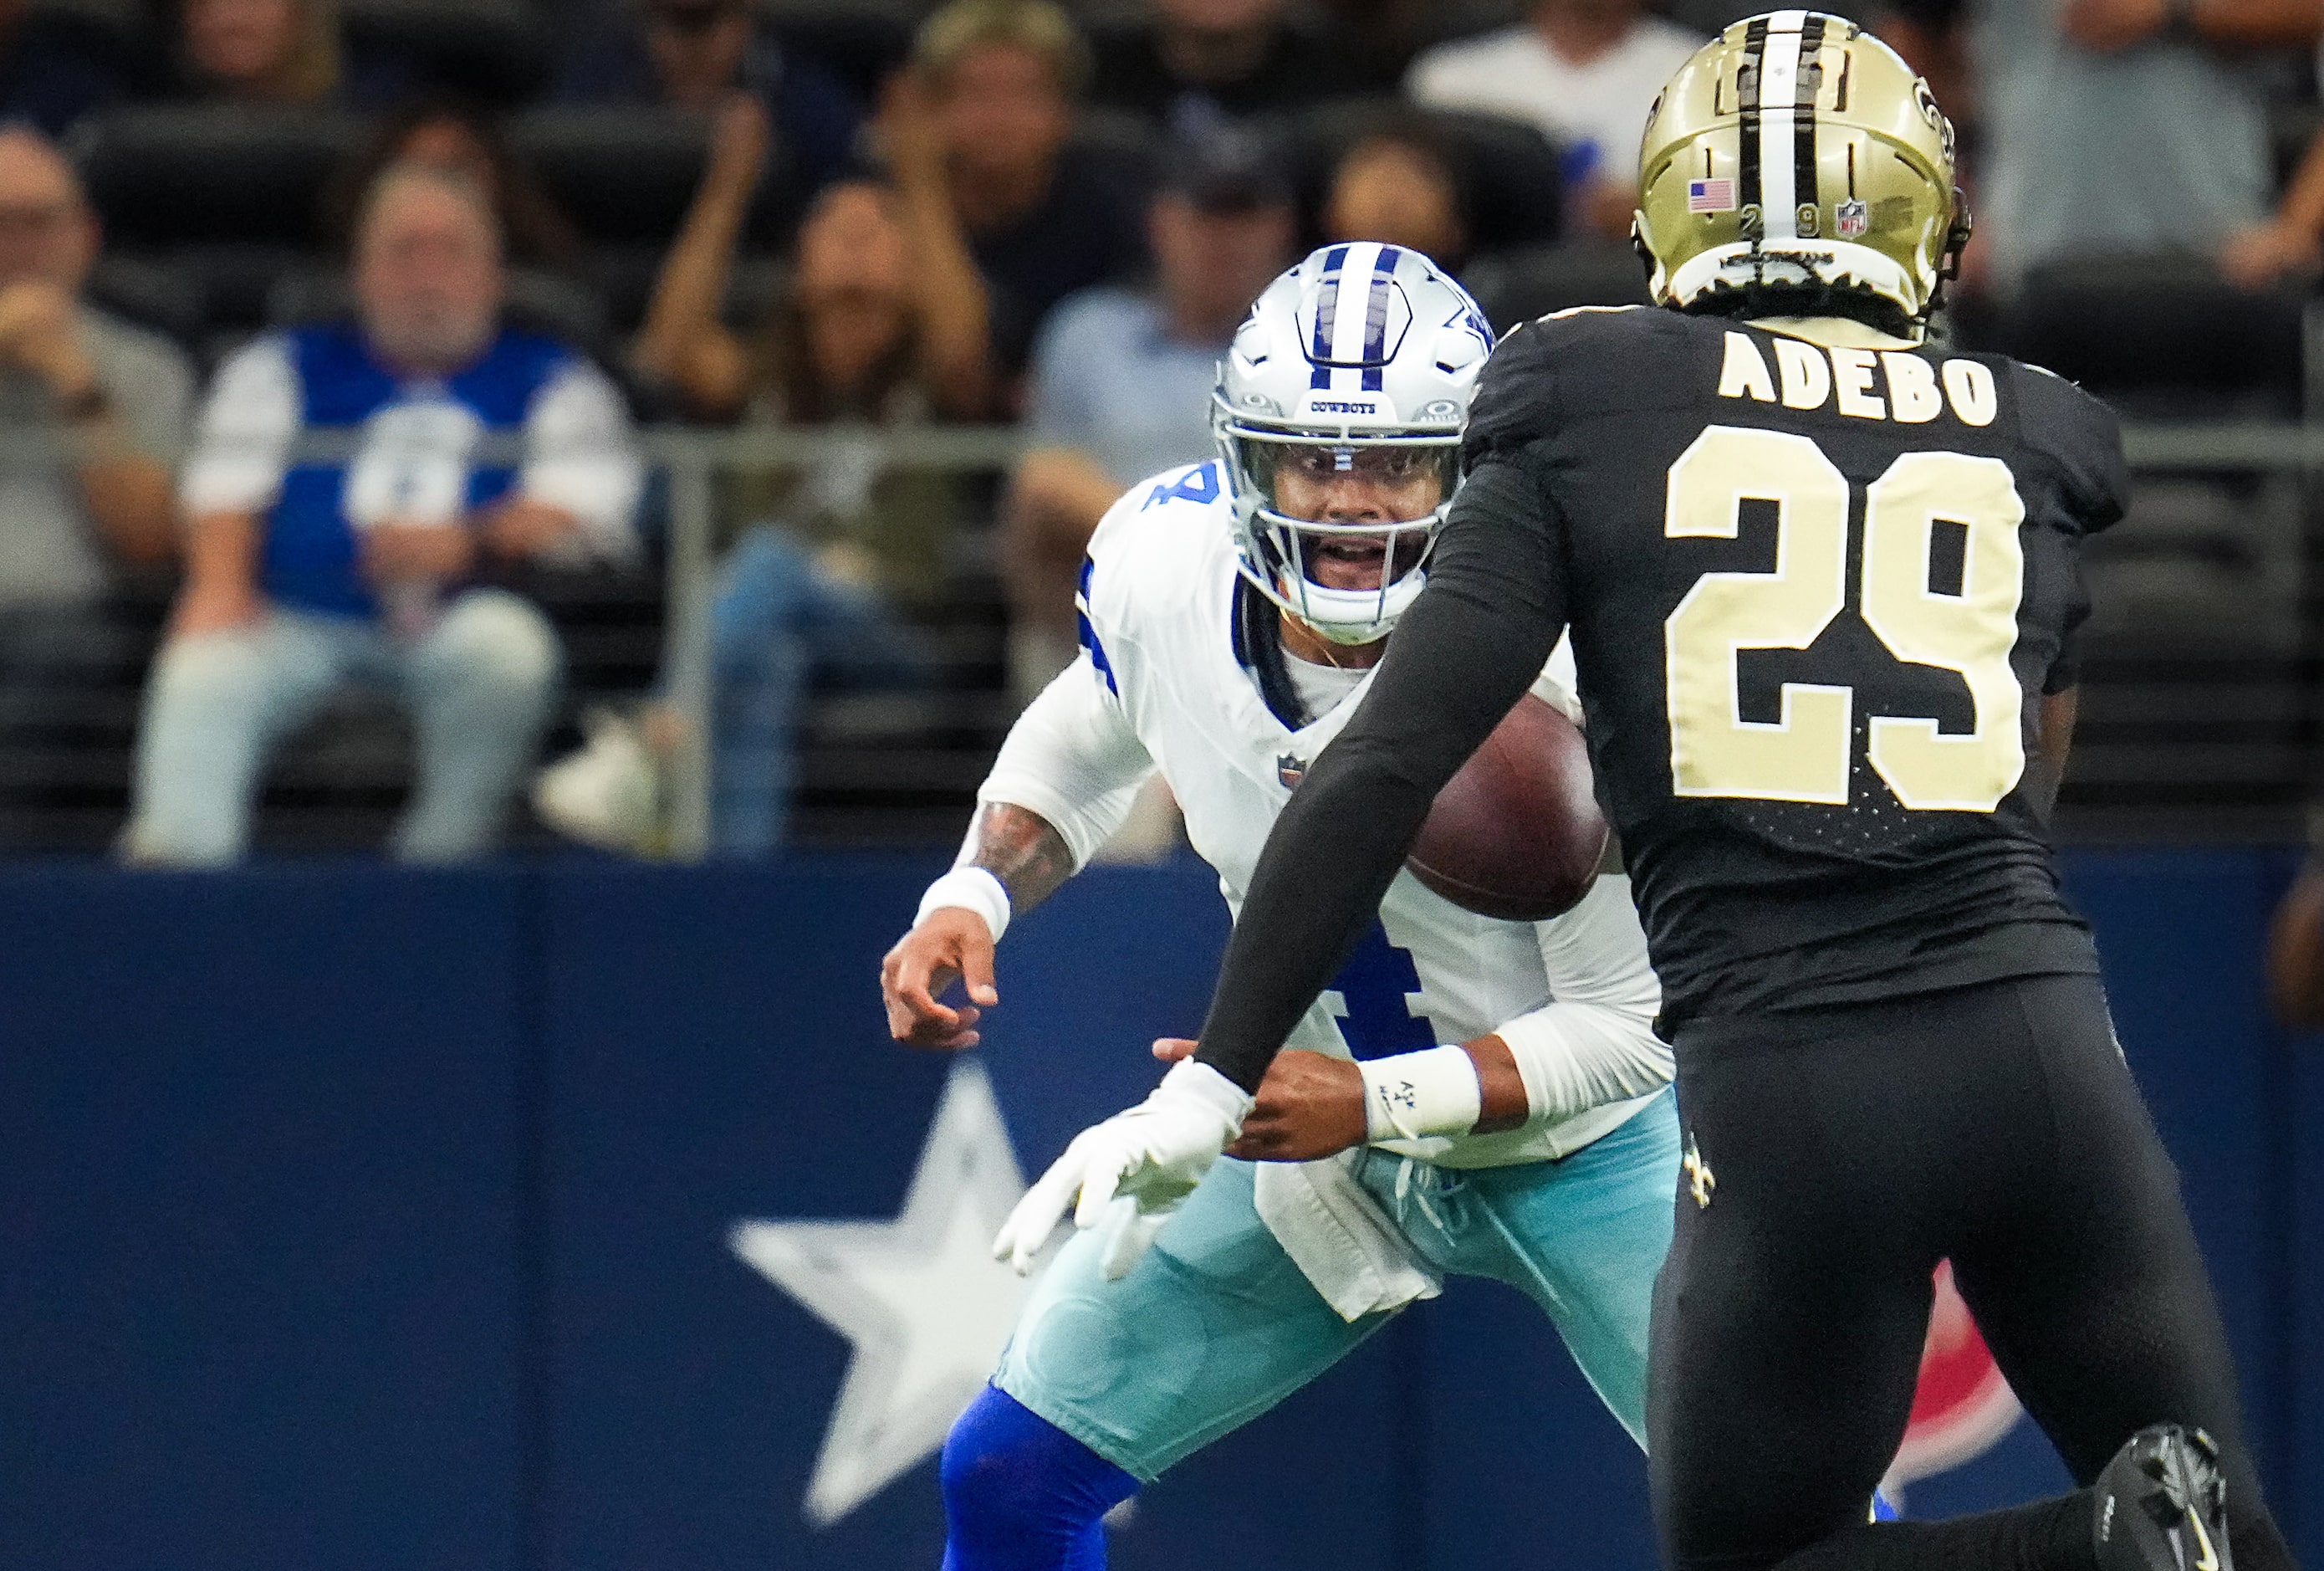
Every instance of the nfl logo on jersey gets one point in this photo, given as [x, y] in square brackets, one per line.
[1290, 769]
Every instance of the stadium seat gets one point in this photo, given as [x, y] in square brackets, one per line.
[153, 297]
[1508, 170]
[491, 52]
[2163, 336]
[1517, 286]
[620, 174]
[232, 280]
[623, 277]
[211, 172]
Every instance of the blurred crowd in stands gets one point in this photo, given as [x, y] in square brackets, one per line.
[495, 237]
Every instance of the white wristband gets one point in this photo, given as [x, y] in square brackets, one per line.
[1411, 1095]
[973, 889]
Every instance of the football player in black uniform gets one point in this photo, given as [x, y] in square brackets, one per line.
[1823, 583]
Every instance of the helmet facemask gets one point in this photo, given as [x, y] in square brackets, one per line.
[1346, 580]
[1358, 364]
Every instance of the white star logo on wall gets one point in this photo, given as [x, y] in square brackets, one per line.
[926, 1305]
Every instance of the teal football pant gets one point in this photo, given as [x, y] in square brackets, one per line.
[1215, 1325]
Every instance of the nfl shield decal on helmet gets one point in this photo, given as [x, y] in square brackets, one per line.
[1852, 218]
[1962, 1406]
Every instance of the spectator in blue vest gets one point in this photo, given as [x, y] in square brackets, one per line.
[474, 444]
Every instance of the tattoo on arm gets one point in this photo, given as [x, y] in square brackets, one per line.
[1021, 849]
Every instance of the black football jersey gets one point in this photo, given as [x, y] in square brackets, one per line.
[1817, 595]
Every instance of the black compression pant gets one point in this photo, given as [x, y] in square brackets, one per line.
[1848, 1151]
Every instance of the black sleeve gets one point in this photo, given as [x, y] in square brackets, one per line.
[2066, 670]
[2081, 437]
[1468, 650]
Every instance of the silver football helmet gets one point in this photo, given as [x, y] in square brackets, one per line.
[1363, 357]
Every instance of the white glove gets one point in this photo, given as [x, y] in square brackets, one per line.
[1151, 1157]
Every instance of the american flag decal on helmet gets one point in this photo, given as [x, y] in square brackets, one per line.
[1710, 196]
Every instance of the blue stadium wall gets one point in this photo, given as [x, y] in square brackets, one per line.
[361, 1220]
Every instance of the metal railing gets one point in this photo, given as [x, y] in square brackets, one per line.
[693, 459]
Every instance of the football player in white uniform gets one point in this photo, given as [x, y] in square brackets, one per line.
[1474, 1096]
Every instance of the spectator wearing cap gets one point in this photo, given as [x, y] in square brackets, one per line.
[1193, 64]
[307, 574]
[1121, 379]
[695, 54]
[52, 72]
[114, 399]
[1586, 72]
[983, 118]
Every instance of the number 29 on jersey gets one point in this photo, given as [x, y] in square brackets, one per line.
[1805, 754]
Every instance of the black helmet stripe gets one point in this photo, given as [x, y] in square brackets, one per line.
[1747, 85]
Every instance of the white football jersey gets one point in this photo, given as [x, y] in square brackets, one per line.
[1160, 685]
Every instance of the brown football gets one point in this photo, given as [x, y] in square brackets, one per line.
[1518, 833]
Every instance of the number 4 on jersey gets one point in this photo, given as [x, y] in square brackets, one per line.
[1805, 755]
[1200, 486]
[1378, 988]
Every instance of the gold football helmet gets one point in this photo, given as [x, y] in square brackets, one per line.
[1796, 155]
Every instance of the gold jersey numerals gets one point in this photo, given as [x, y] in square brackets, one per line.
[1804, 756]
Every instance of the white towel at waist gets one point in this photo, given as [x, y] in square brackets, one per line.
[1338, 1236]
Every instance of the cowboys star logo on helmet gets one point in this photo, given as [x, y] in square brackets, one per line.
[1362, 357]
[1842, 172]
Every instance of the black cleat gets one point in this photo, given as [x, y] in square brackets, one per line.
[2161, 1504]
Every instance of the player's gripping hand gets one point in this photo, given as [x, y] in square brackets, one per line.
[949, 944]
[1310, 1105]
[1149, 1159]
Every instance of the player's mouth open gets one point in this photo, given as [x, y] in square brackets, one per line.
[1348, 564]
